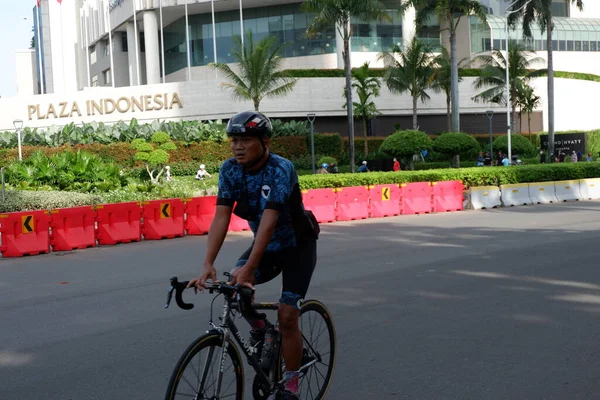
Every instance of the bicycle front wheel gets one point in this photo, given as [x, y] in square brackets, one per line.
[196, 374]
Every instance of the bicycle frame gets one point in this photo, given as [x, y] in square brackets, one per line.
[228, 327]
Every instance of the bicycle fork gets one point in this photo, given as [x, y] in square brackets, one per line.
[224, 349]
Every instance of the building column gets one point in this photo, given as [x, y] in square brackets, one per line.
[133, 68]
[152, 47]
[408, 26]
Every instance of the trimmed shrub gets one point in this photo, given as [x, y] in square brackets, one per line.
[290, 147]
[326, 159]
[452, 144]
[406, 143]
[329, 144]
[519, 145]
[373, 143]
[28, 200]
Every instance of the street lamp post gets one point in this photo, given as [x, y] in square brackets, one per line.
[18, 123]
[508, 127]
[490, 115]
[311, 118]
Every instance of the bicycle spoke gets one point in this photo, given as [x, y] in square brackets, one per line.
[186, 395]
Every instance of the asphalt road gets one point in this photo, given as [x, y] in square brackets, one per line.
[496, 304]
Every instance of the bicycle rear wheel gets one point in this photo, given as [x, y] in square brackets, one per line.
[319, 348]
[195, 375]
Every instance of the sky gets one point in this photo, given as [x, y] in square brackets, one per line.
[16, 23]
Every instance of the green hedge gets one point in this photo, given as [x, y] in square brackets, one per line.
[27, 200]
[479, 176]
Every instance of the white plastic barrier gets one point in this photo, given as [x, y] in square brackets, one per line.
[567, 190]
[542, 193]
[516, 194]
[484, 197]
[589, 189]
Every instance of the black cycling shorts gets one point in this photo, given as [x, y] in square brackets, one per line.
[295, 263]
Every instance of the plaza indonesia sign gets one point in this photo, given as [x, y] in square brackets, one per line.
[566, 142]
[89, 108]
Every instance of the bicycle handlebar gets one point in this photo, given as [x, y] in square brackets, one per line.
[219, 287]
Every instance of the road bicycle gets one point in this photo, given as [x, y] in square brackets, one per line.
[202, 370]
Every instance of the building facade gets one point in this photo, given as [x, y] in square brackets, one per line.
[151, 53]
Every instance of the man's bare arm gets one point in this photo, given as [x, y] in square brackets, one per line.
[216, 234]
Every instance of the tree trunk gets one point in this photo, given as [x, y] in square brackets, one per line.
[550, 90]
[348, 70]
[256, 103]
[448, 113]
[529, 125]
[415, 124]
[365, 134]
[514, 118]
[454, 78]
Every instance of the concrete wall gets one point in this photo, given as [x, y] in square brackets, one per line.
[322, 96]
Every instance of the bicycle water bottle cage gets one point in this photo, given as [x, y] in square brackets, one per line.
[245, 302]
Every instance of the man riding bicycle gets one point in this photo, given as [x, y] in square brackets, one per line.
[265, 191]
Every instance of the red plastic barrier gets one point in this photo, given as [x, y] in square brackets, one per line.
[385, 200]
[321, 202]
[447, 196]
[200, 212]
[119, 223]
[25, 233]
[162, 219]
[352, 203]
[416, 198]
[237, 224]
[73, 228]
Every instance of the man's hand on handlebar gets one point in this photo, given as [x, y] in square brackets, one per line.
[244, 277]
[209, 272]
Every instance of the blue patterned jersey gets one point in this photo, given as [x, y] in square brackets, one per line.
[274, 186]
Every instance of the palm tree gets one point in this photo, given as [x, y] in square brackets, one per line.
[367, 87]
[540, 11]
[259, 74]
[410, 71]
[441, 80]
[493, 76]
[450, 11]
[528, 101]
[339, 13]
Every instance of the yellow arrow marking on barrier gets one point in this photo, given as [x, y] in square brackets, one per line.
[385, 194]
[27, 224]
[165, 210]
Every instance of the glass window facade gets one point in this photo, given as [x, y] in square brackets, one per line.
[377, 36]
[287, 22]
[430, 34]
[570, 34]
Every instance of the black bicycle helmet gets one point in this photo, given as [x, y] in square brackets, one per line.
[249, 123]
